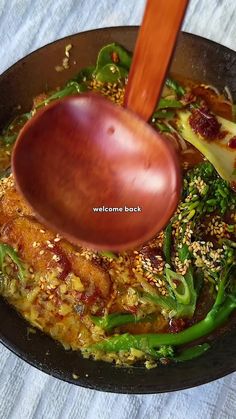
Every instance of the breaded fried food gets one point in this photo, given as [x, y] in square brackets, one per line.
[62, 283]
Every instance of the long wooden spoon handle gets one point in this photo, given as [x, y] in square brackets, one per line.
[154, 47]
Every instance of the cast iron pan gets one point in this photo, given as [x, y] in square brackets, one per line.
[195, 58]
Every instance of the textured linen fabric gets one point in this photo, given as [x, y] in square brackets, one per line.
[25, 392]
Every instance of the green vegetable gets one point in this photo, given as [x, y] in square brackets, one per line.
[70, 89]
[224, 304]
[164, 114]
[113, 54]
[174, 85]
[178, 286]
[166, 108]
[84, 75]
[163, 352]
[113, 64]
[182, 300]
[228, 243]
[118, 319]
[199, 280]
[110, 73]
[6, 250]
[10, 133]
[217, 152]
[169, 103]
[184, 253]
[162, 127]
[191, 353]
[167, 243]
[216, 195]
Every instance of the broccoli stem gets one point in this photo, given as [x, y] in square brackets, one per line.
[218, 314]
[191, 353]
[118, 319]
[147, 342]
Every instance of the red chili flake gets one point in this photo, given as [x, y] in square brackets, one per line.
[132, 309]
[89, 298]
[59, 316]
[115, 57]
[63, 261]
[203, 122]
[151, 253]
[176, 325]
[232, 142]
[165, 361]
[177, 282]
[233, 185]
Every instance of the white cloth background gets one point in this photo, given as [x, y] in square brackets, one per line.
[25, 392]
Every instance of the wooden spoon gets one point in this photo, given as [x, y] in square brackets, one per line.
[97, 173]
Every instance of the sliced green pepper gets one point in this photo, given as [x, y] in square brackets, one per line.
[110, 73]
[172, 302]
[179, 286]
[113, 54]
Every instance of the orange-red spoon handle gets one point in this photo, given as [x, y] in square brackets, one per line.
[154, 47]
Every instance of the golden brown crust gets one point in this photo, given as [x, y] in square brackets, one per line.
[41, 248]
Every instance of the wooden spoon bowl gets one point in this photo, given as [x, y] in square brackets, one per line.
[121, 146]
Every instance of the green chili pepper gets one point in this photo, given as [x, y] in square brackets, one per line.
[118, 319]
